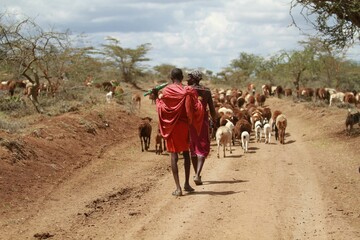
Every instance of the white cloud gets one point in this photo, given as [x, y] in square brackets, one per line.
[192, 33]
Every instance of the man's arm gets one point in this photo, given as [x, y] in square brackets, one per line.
[211, 106]
[189, 108]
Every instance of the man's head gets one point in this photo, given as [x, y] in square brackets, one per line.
[176, 75]
[194, 77]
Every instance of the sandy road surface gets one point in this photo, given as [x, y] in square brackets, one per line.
[308, 188]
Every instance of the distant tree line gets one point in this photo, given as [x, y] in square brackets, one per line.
[29, 52]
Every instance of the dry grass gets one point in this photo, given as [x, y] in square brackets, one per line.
[16, 113]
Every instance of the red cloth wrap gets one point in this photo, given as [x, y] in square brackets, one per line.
[179, 104]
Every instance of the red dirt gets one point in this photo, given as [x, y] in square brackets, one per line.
[82, 175]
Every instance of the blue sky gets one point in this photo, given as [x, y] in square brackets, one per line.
[193, 34]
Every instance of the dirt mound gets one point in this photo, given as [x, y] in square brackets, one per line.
[54, 148]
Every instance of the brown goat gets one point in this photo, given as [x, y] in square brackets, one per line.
[241, 126]
[280, 125]
[352, 119]
[288, 92]
[160, 144]
[145, 133]
[273, 120]
[136, 98]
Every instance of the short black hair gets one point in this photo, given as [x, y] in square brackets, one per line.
[177, 74]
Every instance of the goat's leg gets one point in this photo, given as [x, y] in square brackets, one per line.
[142, 144]
[164, 144]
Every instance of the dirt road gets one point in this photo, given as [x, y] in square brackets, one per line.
[308, 188]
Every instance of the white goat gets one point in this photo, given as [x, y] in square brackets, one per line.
[258, 128]
[245, 138]
[337, 96]
[224, 136]
[267, 131]
[109, 96]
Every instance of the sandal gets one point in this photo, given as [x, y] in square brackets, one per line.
[198, 180]
[177, 193]
[188, 189]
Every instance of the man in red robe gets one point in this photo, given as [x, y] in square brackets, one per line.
[178, 107]
[200, 143]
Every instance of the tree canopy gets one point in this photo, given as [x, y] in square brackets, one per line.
[126, 59]
[337, 21]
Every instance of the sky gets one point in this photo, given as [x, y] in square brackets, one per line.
[206, 34]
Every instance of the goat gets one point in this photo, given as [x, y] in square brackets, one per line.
[245, 138]
[145, 133]
[267, 131]
[241, 126]
[351, 119]
[337, 96]
[266, 88]
[9, 86]
[136, 98]
[258, 129]
[280, 127]
[251, 88]
[260, 99]
[224, 137]
[288, 92]
[273, 120]
[109, 96]
[159, 143]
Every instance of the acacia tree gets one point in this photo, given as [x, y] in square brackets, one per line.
[247, 64]
[297, 63]
[164, 70]
[337, 21]
[126, 59]
[268, 69]
[33, 52]
[327, 61]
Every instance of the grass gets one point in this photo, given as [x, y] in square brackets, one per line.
[17, 112]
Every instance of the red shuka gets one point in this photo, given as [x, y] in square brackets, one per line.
[177, 109]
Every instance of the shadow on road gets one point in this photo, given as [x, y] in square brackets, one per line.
[215, 193]
[225, 181]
